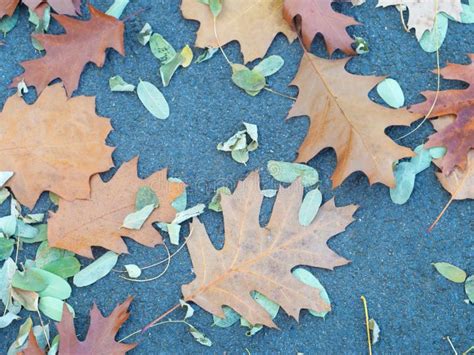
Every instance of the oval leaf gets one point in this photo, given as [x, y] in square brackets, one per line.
[153, 100]
[96, 270]
[310, 207]
[391, 92]
[451, 272]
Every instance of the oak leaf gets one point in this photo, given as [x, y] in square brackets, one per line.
[460, 183]
[53, 145]
[100, 338]
[7, 7]
[256, 258]
[254, 23]
[63, 7]
[33, 347]
[79, 225]
[317, 16]
[67, 54]
[458, 137]
[344, 118]
[422, 13]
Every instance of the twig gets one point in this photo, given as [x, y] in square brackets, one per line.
[366, 312]
[155, 325]
[151, 324]
[468, 350]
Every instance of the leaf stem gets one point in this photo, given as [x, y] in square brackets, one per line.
[44, 329]
[451, 344]
[219, 43]
[279, 93]
[402, 19]
[155, 277]
[152, 323]
[155, 325]
[366, 313]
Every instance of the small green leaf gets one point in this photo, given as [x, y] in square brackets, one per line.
[215, 204]
[173, 231]
[117, 8]
[207, 54]
[309, 279]
[40, 235]
[65, 267]
[437, 152]
[216, 7]
[361, 45]
[405, 183]
[161, 49]
[7, 319]
[117, 84]
[96, 270]
[432, 40]
[240, 155]
[391, 92]
[310, 207]
[23, 332]
[29, 280]
[375, 330]
[189, 309]
[180, 203]
[135, 220]
[269, 193]
[153, 100]
[249, 80]
[56, 286]
[271, 307]
[230, 318]
[8, 23]
[8, 225]
[289, 172]
[145, 34]
[5, 176]
[450, 272]
[146, 196]
[133, 271]
[6, 248]
[168, 69]
[469, 288]
[25, 231]
[187, 56]
[467, 14]
[46, 255]
[270, 65]
[189, 213]
[53, 308]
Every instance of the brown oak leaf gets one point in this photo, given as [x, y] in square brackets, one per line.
[458, 137]
[317, 16]
[7, 7]
[79, 225]
[53, 145]
[422, 12]
[100, 338]
[67, 54]
[63, 7]
[254, 23]
[460, 183]
[256, 258]
[343, 117]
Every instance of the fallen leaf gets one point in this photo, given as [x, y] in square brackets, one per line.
[450, 272]
[100, 338]
[261, 259]
[391, 92]
[8, 23]
[53, 307]
[469, 288]
[343, 117]
[7, 7]
[67, 54]
[33, 347]
[309, 279]
[153, 100]
[116, 83]
[96, 270]
[78, 225]
[458, 137]
[283, 171]
[254, 23]
[63, 7]
[317, 16]
[422, 13]
[57, 145]
[145, 34]
[310, 207]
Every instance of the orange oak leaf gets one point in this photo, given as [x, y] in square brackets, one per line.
[460, 183]
[67, 54]
[33, 347]
[317, 16]
[100, 338]
[7, 7]
[254, 23]
[256, 258]
[422, 13]
[458, 137]
[79, 225]
[343, 117]
[53, 145]
[63, 7]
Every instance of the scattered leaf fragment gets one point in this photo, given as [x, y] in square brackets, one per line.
[117, 84]
[53, 307]
[215, 204]
[206, 54]
[145, 33]
[117, 8]
[135, 220]
[450, 272]
[375, 331]
[162, 49]
[189, 213]
[309, 279]
[469, 288]
[270, 65]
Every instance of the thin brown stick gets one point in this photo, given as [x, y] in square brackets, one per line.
[152, 323]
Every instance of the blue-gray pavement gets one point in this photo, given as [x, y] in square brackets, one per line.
[391, 252]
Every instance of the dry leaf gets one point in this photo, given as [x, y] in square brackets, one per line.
[458, 137]
[317, 16]
[64, 7]
[33, 347]
[100, 337]
[261, 259]
[54, 145]
[7, 7]
[79, 225]
[343, 117]
[254, 23]
[67, 54]
[422, 12]
[460, 184]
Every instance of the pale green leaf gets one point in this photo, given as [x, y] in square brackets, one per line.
[450, 272]
[270, 65]
[25, 231]
[5, 176]
[96, 270]
[249, 80]
[375, 330]
[153, 100]
[135, 220]
[168, 69]
[469, 288]
[117, 84]
[216, 7]
[391, 92]
[240, 155]
[289, 172]
[7, 319]
[180, 203]
[432, 40]
[53, 350]
[29, 280]
[146, 196]
[46, 255]
[145, 34]
[405, 183]
[189, 213]
[230, 318]
[161, 49]
[133, 271]
[117, 8]
[437, 152]
[199, 337]
[309, 279]
[269, 193]
[4, 194]
[8, 23]
[7, 272]
[40, 334]
[6, 248]
[189, 309]
[8, 225]
[173, 231]
[207, 54]
[310, 207]
[53, 308]
[65, 267]
[23, 332]
[271, 307]
[56, 286]
[215, 204]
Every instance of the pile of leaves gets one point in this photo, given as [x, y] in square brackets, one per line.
[57, 145]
